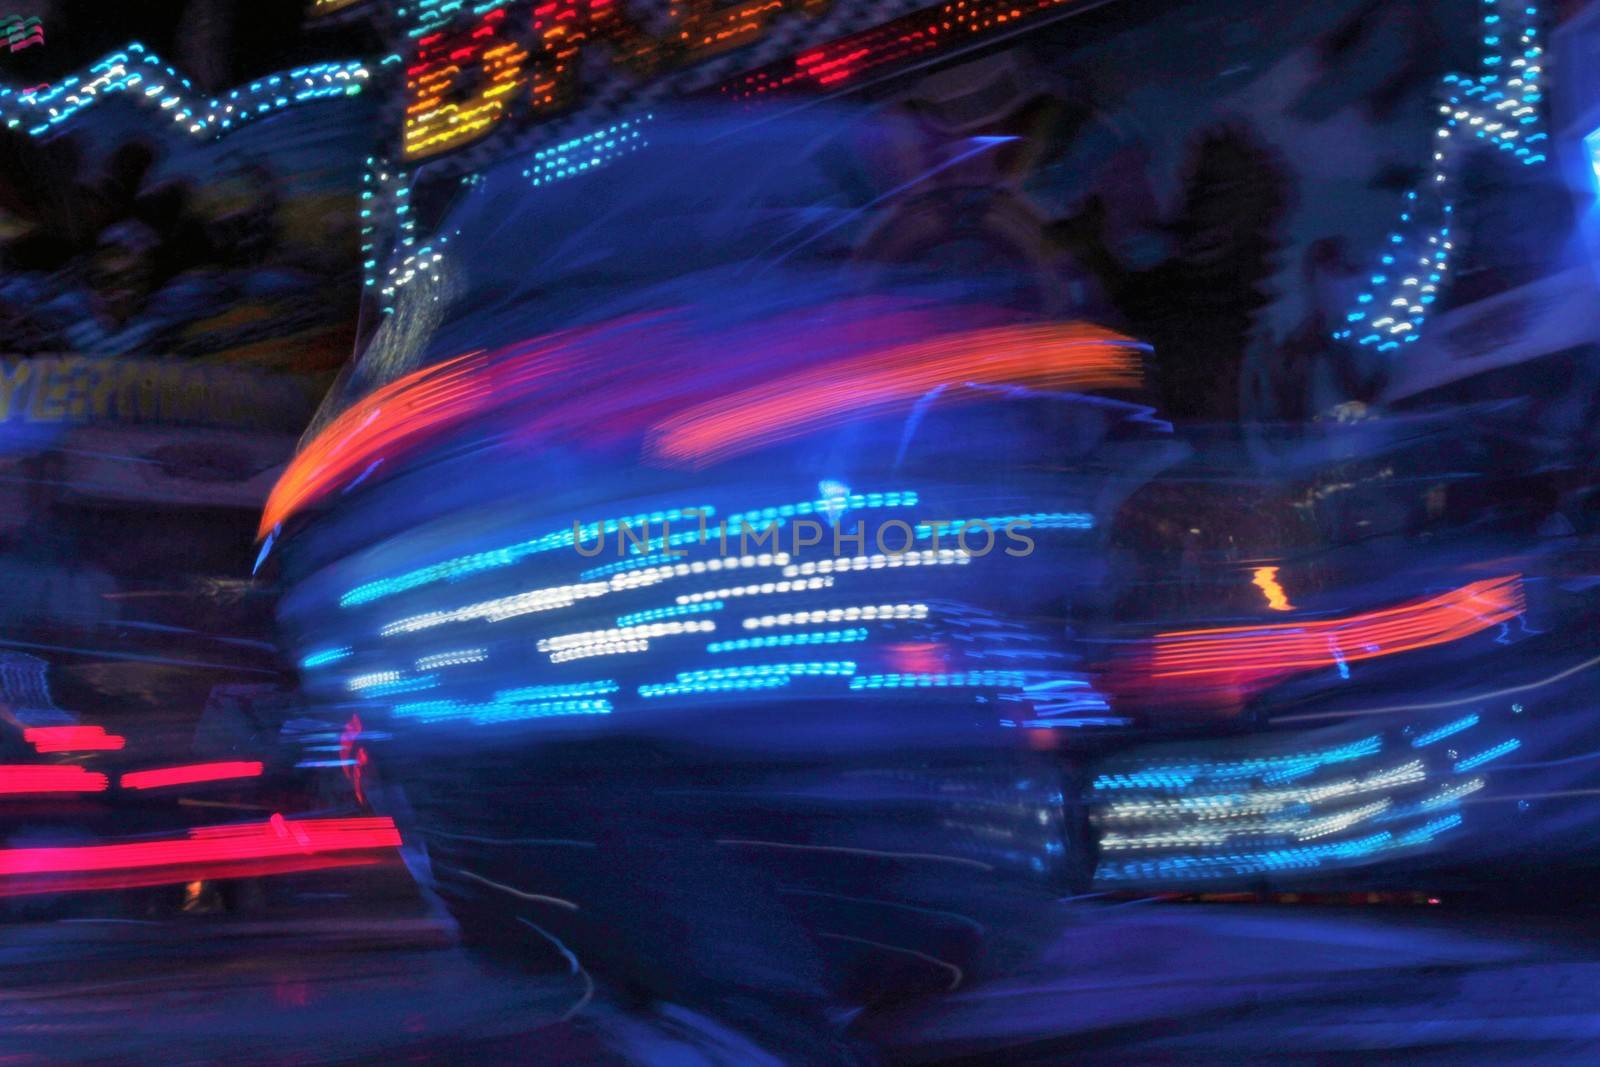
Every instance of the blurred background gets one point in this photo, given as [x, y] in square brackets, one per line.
[799, 531]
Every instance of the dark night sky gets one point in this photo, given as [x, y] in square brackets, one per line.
[218, 42]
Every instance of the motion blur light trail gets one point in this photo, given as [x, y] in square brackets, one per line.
[1243, 659]
[857, 366]
[52, 739]
[200, 854]
[191, 774]
[1190, 814]
[34, 779]
[1070, 356]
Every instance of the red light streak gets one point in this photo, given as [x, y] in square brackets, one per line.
[46, 778]
[189, 774]
[904, 38]
[273, 839]
[1243, 659]
[79, 883]
[47, 739]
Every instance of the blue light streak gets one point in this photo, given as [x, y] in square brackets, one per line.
[825, 637]
[493, 559]
[1510, 745]
[325, 657]
[1447, 730]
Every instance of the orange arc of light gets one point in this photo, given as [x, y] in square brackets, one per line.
[1061, 356]
[1283, 647]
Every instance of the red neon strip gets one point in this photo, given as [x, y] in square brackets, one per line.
[177, 875]
[194, 772]
[72, 739]
[46, 778]
[215, 844]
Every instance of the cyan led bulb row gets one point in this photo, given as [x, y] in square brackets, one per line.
[1242, 864]
[728, 685]
[757, 521]
[823, 637]
[1035, 520]
[674, 611]
[551, 598]
[1338, 822]
[880, 561]
[1499, 107]
[623, 641]
[1452, 794]
[1425, 833]
[940, 680]
[1200, 811]
[824, 668]
[1494, 753]
[864, 613]
[1241, 800]
[580, 155]
[477, 562]
[606, 570]
[501, 608]
[143, 76]
[457, 658]
[1449, 729]
[323, 657]
[646, 630]
[433, 711]
[1181, 776]
[535, 693]
[1220, 833]
[568, 159]
[622, 647]
[717, 596]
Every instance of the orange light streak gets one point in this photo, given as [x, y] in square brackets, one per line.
[1052, 356]
[1266, 580]
[1259, 653]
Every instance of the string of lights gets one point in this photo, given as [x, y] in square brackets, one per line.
[1499, 106]
[142, 76]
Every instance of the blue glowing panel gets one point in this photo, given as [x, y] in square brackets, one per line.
[1591, 148]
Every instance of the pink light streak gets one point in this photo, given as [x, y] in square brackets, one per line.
[190, 774]
[26, 779]
[46, 739]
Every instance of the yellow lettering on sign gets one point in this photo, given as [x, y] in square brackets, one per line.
[50, 391]
[136, 391]
[102, 375]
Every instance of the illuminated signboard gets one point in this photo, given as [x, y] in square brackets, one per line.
[570, 82]
[470, 69]
[77, 389]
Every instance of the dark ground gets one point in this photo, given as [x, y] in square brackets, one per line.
[1119, 982]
